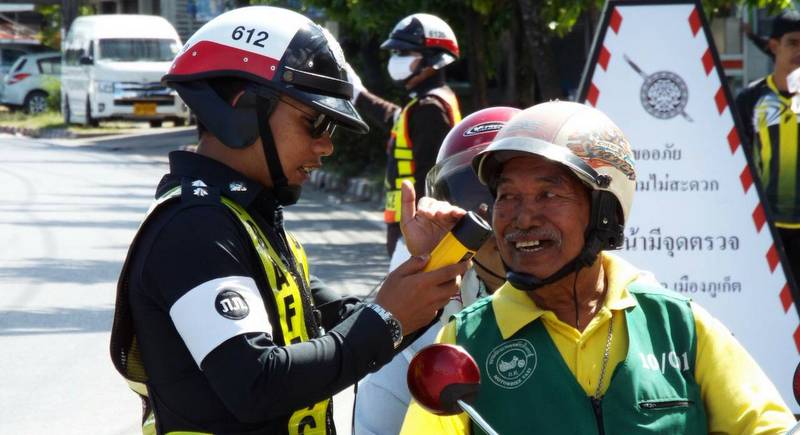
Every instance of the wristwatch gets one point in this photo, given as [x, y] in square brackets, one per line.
[394, 325]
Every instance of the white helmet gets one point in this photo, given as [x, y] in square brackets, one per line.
[279, 51]
[274, 51]
[427, 34]
[590, 145]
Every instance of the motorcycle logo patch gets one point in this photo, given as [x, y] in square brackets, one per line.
[511, 363]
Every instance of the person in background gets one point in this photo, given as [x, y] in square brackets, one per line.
[772, 135]
[421, 46]
[383, 396]
[578, 340]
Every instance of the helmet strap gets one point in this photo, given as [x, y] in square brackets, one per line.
[285, 194]
[604, 232]
[487, 269]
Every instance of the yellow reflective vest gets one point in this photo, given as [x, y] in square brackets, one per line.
[400, 165]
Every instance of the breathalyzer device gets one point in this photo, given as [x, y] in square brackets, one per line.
[461, 243]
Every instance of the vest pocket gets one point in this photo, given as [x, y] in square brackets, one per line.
[652, 405]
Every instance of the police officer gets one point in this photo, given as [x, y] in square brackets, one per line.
[592, 343]
[218, 324]
[421, 45]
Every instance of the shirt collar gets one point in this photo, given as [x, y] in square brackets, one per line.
[514, 309]
[231, 183]
[246, 192]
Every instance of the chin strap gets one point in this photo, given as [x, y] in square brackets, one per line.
[528, 282]
[487, 270]
[284, 193]
[604, 232]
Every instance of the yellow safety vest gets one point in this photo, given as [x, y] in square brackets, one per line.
[400, 161]
[285, 292]
[777, 144]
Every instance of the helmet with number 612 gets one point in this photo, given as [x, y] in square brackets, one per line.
[277, 51]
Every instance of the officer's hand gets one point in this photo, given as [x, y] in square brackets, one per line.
[355, 80]
[425, 224]
[413, 296]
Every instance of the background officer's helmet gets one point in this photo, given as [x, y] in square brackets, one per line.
[427, 34]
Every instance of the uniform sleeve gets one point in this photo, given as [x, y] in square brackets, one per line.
[333, 307]
[420, 421]
[203, 277]
[378, 110]
[738, 396]
[428, 124]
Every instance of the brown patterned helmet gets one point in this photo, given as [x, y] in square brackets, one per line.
[579, 137]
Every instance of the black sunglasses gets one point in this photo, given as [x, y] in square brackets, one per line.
[321, 124]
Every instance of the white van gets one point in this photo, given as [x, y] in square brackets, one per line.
[112, 69]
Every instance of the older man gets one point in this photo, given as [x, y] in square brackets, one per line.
[579, 341]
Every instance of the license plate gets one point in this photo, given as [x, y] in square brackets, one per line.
[144, 109]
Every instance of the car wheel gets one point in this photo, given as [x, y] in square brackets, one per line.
[35, 102]
[67, 114]
[180, 122]
[156, 123]
[89, 121]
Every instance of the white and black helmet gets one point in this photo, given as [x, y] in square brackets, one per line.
[276, 52]
[427, 34]
[275, 48]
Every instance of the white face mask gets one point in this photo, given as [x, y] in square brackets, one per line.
[400, 67]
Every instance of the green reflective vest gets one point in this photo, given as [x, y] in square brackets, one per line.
[526, 387]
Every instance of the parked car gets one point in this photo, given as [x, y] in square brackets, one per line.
[11, 51]
[28, 83]
[112, 69]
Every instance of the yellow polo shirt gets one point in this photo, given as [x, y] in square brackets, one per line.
[738, 396]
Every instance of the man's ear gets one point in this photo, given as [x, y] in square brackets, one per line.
[244, 99]
[773, 44]
[236, 98]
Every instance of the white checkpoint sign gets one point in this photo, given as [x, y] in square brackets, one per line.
[697, 220]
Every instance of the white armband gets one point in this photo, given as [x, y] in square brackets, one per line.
[216, 310]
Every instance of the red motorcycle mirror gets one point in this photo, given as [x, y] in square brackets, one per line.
[796, 390]
[444, 379]
[796, 384]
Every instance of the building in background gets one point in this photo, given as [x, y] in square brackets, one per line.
[742, 60]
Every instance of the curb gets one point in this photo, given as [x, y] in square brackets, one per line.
[356, 188]
[58, 133]
[38, 132]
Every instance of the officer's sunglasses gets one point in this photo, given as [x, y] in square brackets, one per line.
[320, 124]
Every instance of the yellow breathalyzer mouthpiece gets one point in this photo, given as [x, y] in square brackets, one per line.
[461, 243]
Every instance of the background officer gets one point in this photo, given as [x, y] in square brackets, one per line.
[772, 133]
[421, 45]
